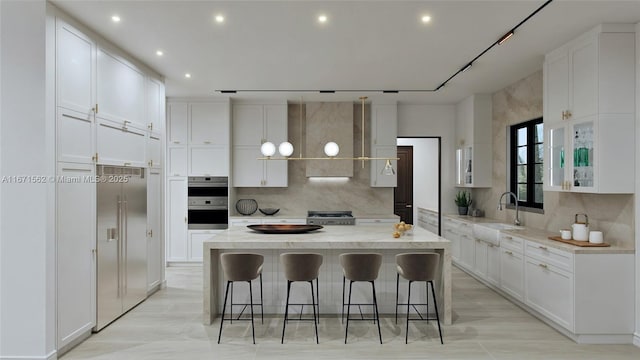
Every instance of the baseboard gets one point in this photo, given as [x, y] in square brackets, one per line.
[75, 342]
[51, 356]
[604, 339]
[636, 339]
[183, 264]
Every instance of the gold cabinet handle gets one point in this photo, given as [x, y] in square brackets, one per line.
[508, 252]
[544, 266]
[542, 247]
[508, 237]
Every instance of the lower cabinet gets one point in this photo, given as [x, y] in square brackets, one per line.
[75, 252]
[177, 219]
[512, 273]
[467, 251]
[155, 260]
[493, 264]
[244, 221]
[481, 253]
[549, 290]
[196, 238]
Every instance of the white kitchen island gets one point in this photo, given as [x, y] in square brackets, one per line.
[330, 241]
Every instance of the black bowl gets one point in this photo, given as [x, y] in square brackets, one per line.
[269, 211]
[246, 206]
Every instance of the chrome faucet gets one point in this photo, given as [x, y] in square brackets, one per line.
[515, 197]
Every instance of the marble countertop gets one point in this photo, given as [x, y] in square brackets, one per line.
[542, 237]
[259, 215]
[375, 236]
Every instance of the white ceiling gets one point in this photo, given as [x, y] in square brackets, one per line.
[365, 45]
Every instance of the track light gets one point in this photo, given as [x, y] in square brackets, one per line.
[505, 37]
[466, 67]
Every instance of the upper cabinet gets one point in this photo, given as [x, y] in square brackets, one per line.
[589, 92]
[75, 70]
[198, 137]
[254, 124]
[384, 134]
[474, 162]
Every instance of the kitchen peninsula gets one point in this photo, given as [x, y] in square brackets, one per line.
[330, 241]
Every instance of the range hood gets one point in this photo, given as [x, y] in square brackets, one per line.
[329, 121]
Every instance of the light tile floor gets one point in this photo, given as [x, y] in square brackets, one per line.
[486, 326]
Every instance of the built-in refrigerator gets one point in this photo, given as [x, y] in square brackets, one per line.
[121, 241]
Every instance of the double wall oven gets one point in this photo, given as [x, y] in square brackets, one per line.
[208, 202]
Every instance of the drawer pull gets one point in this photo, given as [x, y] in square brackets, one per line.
[508, 237]
[542, 247]
[544, 266]
[490, 245]
[508, 252]
[476, 240]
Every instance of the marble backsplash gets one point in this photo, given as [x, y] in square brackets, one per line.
[304, 193]
[612, 214]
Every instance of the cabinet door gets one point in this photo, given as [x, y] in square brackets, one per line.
[75, 69]
[248, 125]
[493, 264]
[556, 157]
[481, 258]
[120, 90]
[248, 171]
[155, 93]
[378, 179]
[177, 220]
[384, 125]
[75, 136]
[209, 124]
[154, 150]
[276, 173]
[556, 88]
[583, 152]
[119, 145]
[75, 244]
[209, 160]
[275, 123]
[177, 157]
[155, 260]
[512, 273]
[177, 122]
[584, 78]
[549, 290]
[467, 251]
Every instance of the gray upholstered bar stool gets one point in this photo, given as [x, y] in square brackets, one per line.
[418, 267]
[360, 267]
[302, 267]
[241, 267]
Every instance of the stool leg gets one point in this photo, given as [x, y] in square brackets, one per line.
[426, 285]
[226, 293]
[318, 298]
[397, 291]
[231, 307]
[253, 330]
[286, 311]
[375, 304]
[343, 280]
[406, 336]
[315, 319]
[435, 304]
[346, 330]
[261, 302]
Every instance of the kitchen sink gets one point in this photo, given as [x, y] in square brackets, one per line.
[490, 232]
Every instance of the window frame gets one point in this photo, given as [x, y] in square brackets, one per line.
[530, 125]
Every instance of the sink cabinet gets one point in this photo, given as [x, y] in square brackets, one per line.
[589, 107]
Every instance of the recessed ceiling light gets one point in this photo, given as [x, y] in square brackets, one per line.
[159, 53]
[322, 19]
[187, 75]
[219, 18]
[115, 18]
[426, 19]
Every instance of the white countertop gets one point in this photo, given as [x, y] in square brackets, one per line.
[374, 236]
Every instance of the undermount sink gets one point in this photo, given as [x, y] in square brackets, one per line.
[490, 232]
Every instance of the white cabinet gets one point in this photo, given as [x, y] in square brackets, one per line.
[75, 70]
[120, 90]
[75, 251]
[196, 238]
[177, 158]
[589, 105]
[512, 272]
[474, 161]
[481, 258]
[177, 219]
[462, 242]
[467, 251]
[120, 145]
[384, 133]
[272, 220]
[245, 220]
[254, 124]
[75, 136]
[177, 115]
[155, 258]
[209, 160]
[154, 150]
[209, 124]
[155, 105]
[493, 264]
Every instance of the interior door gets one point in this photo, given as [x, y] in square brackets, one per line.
[403, 193]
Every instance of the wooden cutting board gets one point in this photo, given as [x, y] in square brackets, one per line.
[577, 243]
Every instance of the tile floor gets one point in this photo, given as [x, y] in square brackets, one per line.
[486, 326]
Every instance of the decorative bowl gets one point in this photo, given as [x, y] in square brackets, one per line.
[269, 211]
[246, 206]
[284, 228]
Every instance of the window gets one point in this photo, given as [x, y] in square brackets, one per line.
[527, 152]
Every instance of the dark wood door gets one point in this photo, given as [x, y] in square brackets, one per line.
[403, 194]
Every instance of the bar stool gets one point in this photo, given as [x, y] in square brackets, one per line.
[418, 267]
[360, 267]
[302, 267]
[241, 267]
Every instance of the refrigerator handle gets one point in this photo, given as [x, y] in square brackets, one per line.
[125, 231]
[119, 243]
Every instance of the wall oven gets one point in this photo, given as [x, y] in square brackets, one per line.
[208, 202]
